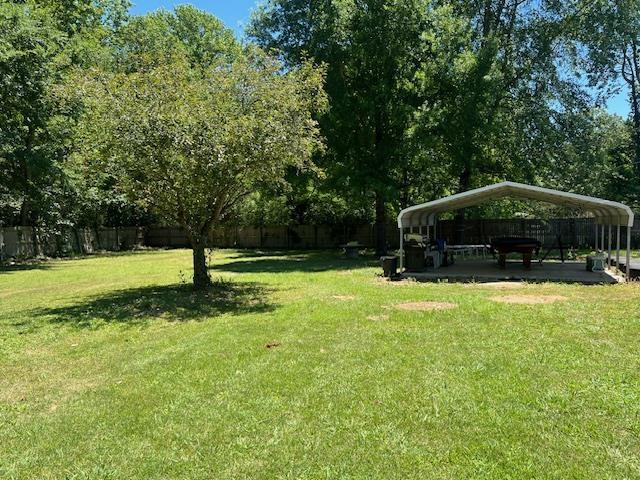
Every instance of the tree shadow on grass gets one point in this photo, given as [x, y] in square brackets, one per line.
[24, 266]
[175, 303]
[297, 262]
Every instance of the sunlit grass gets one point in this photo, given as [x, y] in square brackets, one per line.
[300, 366]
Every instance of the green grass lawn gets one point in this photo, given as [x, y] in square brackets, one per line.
[301, 366]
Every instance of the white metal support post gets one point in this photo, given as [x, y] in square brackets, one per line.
[609, 249]
[401, 252]
[628, 264]
[618, 246]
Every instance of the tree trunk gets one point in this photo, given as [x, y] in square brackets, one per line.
[459, 221]
[635, 110]
[381, 152]
[26, 213]
[381, 238]
[96, 228]
[404, 196]
[201, 279]
[79, 241]
[635, 106]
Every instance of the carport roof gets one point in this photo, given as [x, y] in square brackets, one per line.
[605, 211]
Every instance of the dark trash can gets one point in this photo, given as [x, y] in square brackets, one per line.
[414, 260]
[389, 266]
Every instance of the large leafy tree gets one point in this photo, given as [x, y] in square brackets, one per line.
[499, 78]
[157, 38]
[190, 141]
[39, 43]
[29, 50]
[372, 49]
[608, 33]
[594, 156]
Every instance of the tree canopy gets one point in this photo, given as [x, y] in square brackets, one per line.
[192, 134]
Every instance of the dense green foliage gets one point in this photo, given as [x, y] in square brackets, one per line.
[132, 375]
[610, 33]
[40, 44]
[372, 54]
[31, 61]
[435, 97]
[425, 98]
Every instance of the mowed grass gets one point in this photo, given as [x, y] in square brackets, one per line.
[299, 365]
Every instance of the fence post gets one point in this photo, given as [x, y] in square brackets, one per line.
[20, 248]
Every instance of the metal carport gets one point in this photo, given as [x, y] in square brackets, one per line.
[605, 212]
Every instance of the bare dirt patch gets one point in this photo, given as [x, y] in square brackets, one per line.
[425, 306]
[529, 299]
[378, 318]
[343, 298]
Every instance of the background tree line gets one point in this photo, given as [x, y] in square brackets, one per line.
[424, 98]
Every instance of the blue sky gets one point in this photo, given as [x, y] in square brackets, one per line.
[619, 103]
[235, 14]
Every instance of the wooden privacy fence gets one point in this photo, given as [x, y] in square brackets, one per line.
[294, 237]
[25, 242]
[577, 232]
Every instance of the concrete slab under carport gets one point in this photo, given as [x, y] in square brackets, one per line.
[483, 271]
